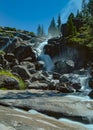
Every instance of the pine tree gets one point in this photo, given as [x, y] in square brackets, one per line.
[39, 30]
[43, 33]
[90, 7]
[85, 12]
[71, 29]
[52, 30]
[79, 14]
[59, 24]
[71, 16]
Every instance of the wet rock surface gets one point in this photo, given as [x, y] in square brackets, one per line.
[15, 119]
[51, 103]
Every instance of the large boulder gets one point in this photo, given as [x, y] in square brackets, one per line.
[9, 82]
[76, 86]
[15, 42]
[39, 76]
[4, 63]
[64, 66]
[91, 83]
[38, 85]
[91, 94]
[22, 71]
[9, 57]
[24, 51]
[30, 66]
[27, 64]
[64, 88]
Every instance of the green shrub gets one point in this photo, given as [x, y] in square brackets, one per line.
[10, 29]
[2, 52]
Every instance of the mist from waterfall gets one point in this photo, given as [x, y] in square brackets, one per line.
[66, 54]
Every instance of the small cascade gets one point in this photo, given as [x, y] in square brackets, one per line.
[45, 58]
[84, 82]
[5, 46]
[82, 79]
[40, 49]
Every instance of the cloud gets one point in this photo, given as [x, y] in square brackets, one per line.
[72, 6]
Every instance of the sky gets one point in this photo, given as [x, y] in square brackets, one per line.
[28, 14]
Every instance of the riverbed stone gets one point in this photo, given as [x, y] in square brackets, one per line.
[53, 104]
[14, 119]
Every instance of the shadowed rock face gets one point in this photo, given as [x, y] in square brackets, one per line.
[8, 83]
[23, 52]
[61, 50]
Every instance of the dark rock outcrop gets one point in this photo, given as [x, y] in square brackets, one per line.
[62, 51]
[39, 65]
[76, 86]
[65, 88]
[8, 82]
[64, 66]
[91, 94]
[91, 83]
[23, 52]
[22, 72]
[9, 57]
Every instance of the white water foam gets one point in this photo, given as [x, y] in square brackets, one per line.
[88, 126]
[43, 57]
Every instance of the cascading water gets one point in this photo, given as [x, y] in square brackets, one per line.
[5, 45]
[82, 79]
[84, 82]
[78, 78]
[43, 57]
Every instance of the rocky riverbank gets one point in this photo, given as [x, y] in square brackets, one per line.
[26, 84]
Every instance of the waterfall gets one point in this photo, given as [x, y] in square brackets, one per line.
[5, 45]
[77, 78]
[43, 57]
[84, 82]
